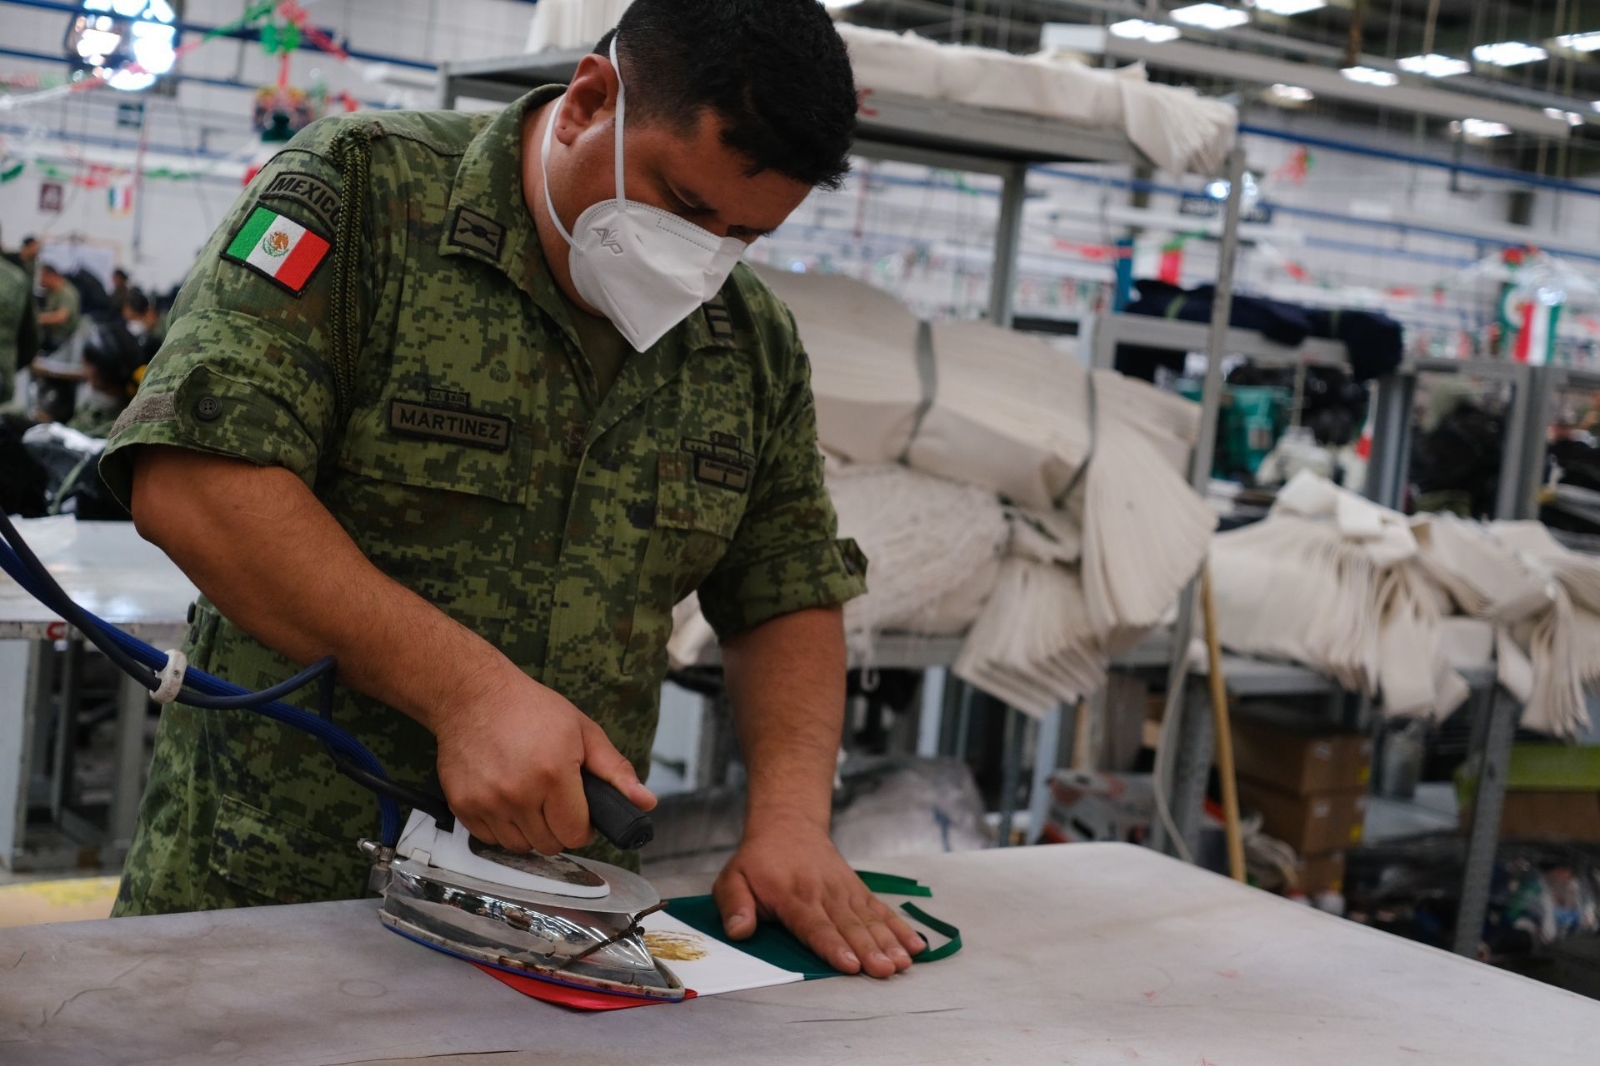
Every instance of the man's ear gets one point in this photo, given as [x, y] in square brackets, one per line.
[591, 98]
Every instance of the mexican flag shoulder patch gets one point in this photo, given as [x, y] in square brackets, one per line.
[278, 247]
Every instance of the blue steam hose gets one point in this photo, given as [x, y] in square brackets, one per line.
[144, 663]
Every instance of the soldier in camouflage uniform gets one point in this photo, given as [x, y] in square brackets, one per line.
[384, 425]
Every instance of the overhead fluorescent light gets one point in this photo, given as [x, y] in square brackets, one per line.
[836, 4]
[1572, 117]
[1509, 53]
[1291, 94]
[1140, 30]
[1371, 76]
[1580, 42]
[1434, 65]
[1480, 129]
[1210, 16]
[1287, 7]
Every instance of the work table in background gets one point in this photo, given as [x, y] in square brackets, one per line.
[1080, 953]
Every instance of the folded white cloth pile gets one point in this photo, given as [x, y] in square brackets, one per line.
[1177, 128]
[1395, 607]
[995, 483]
[572, 23]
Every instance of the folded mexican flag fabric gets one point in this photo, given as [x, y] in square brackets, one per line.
[688, 937]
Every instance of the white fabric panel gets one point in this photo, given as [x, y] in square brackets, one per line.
[1335, 582]
[1177, 128]
[572, 23]
[862, 343]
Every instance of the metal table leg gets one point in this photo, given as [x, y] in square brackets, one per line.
[1010, 771]
[133, 703]
[1191, 764]
[22, 678]
[930, 720]
[1495, 722]
[62, 793]
[1046, 759]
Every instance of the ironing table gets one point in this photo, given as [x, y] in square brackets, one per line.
[1081, 953]
[112, 571]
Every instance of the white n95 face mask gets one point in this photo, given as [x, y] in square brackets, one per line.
[645, 269]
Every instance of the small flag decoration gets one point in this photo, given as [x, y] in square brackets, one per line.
[278, 247]
[120, 198]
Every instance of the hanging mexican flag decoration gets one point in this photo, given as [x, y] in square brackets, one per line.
[1171, 267]
[278, 247]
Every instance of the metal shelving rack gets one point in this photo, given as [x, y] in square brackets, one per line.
[1547, 382]
[938, 133]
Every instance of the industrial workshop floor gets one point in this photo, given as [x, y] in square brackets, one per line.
[34, 899]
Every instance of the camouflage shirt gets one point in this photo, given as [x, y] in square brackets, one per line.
[478, 465]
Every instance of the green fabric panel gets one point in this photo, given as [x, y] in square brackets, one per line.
[943, 951]
[771, 942]
[774, 944]
[894, 884]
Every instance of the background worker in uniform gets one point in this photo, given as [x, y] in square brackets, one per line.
[19, 338]
[470, 401]
[58, 317]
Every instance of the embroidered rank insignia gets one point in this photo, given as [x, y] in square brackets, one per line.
[472, 230]
[721, 461]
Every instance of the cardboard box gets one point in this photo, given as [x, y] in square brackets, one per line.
[1313, 825]
[1301, 763]
[1321, 873]
[1552, 794]
[1552, 817]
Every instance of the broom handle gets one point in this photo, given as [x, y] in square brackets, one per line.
[1219, 718]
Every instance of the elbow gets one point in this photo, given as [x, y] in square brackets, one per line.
[157, 500]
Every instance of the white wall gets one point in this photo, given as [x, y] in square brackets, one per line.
[204, 124]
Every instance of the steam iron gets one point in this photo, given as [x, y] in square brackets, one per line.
[559, 918]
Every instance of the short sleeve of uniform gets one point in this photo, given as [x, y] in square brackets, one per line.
[246, 369]
[786, 555]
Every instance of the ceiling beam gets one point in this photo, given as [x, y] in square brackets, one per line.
[1193, 58]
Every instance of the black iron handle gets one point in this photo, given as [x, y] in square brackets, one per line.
[615, 816]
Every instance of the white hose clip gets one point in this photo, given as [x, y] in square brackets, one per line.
[171, 677]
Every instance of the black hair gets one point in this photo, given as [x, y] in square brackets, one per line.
[116, 354]
[118, 270]
[775, 70]
[29, 239]
[137, 301]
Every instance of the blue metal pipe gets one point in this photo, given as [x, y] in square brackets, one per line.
[1477, 170]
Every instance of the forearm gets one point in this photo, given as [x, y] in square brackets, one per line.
[52, 318]
[277, 564]
[786, 682]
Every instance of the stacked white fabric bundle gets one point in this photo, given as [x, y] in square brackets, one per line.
[862, 344]
[934, 549]
[572, 23]
[1334, 581]
[1177, 128]
[1393, 607]
[1099, 529]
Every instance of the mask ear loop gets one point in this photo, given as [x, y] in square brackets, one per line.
[544, 171]
[621, 99]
